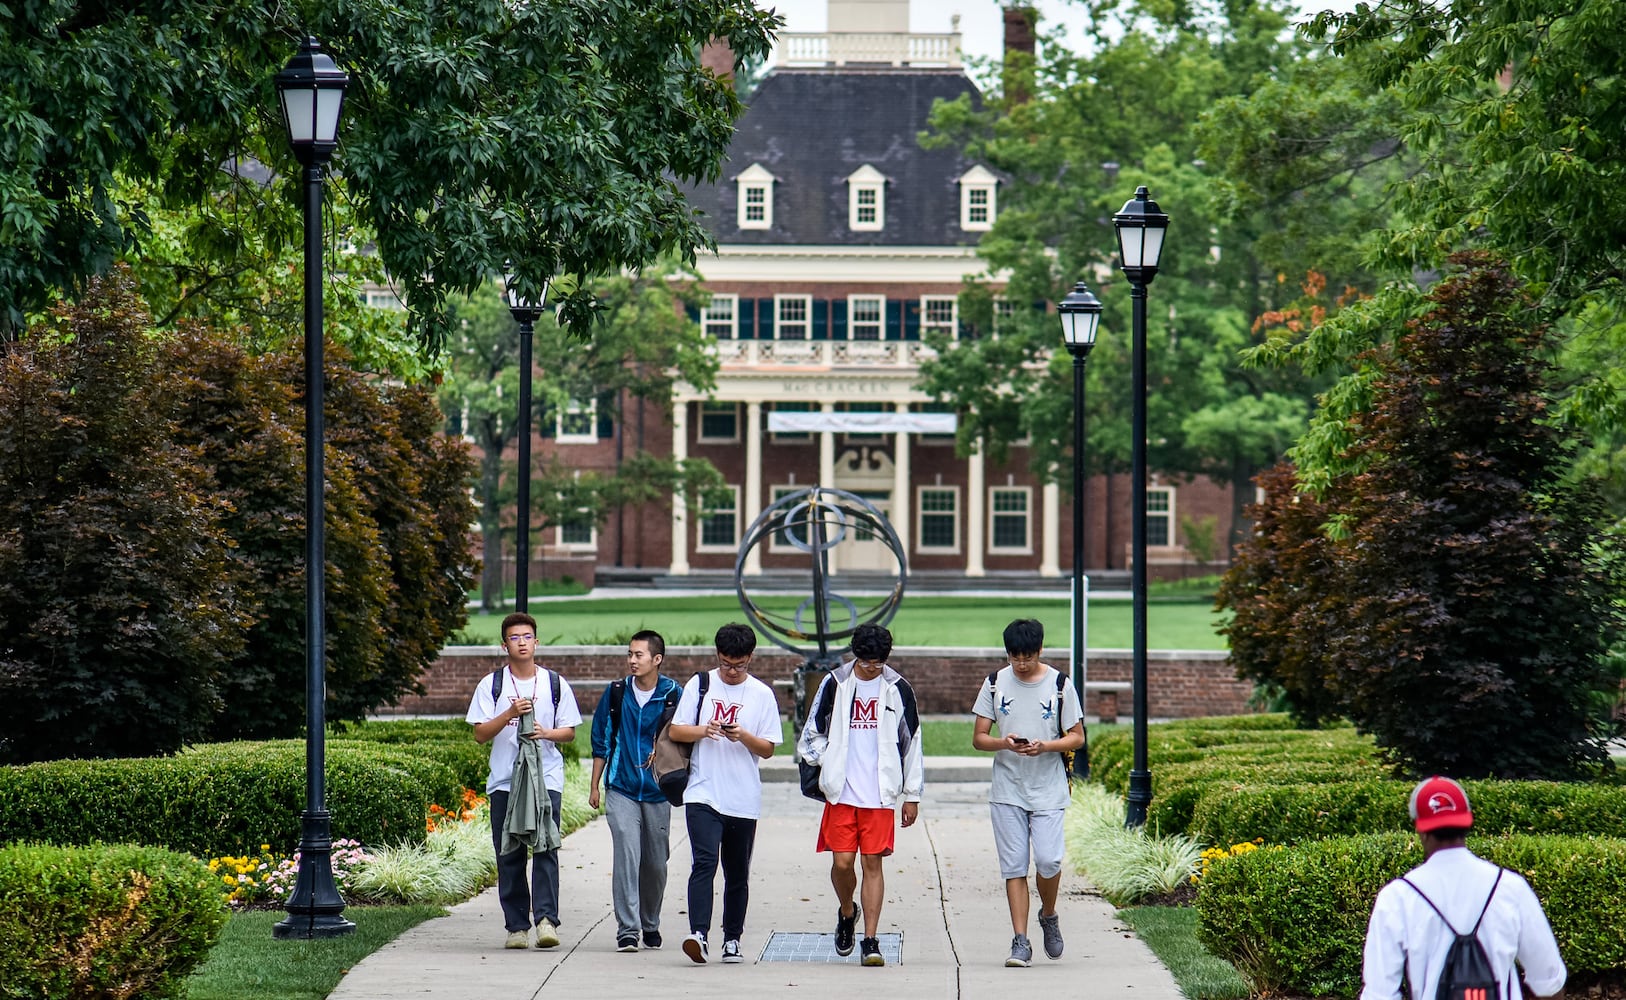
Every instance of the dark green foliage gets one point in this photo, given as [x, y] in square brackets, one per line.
[103, 923]
[449, 741]
[1476, 620]
[1281, 591]
[224, 799]
[1289, 814]
[1293, 920]
[119, 601]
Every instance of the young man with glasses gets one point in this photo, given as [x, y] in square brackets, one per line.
[1039, 717]
[523, 687]
[733, 727]
[864, 733]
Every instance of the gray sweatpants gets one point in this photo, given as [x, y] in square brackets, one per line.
[641, 835]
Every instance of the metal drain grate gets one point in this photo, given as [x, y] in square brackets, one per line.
[795, 946]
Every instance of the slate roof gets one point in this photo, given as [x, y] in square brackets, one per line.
[812, 128]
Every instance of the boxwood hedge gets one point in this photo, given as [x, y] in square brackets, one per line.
[106, 921]
[1293, 920]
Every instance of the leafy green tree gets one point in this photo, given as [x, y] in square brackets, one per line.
[551, 134]
[120, 606]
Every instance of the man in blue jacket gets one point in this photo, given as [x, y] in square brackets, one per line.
[625, 725]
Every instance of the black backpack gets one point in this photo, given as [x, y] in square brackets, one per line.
[1467, 973]
[553, 684]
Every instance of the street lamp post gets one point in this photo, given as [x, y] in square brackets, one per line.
[311, 89]
[525, 309]
[1080, 319]
[1140, 227]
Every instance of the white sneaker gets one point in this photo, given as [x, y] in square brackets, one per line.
[731, 952]
[547, 936]
[518, 939]
[694, 946]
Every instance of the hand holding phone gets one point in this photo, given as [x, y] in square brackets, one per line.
[1020, 741]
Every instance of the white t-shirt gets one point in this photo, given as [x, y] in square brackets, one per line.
[722, 773]
[639, 694]
[505, 745]
[863, 776]
[1037, 783]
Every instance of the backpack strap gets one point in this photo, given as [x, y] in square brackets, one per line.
[553, 684]
[616, 694]
[700, 695]
[1061, 687]
[496, 685]
[1483, 910]
[910, 723]
[824, 706]
[1486, 908]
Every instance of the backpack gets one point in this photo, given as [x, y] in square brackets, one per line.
[1467, 973]
[1061, 687]
[824, 708]
[668, 762]
[553, 684]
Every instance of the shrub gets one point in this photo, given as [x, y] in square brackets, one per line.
[1294, 920]
[87, 923]
[1127, 865]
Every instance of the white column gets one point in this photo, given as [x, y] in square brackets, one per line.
[753, 481]
[827, 464]
[902, 490]
[680, 506]
[975, 517]
[1050, 557]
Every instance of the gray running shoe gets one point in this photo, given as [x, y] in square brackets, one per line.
[1021, 953]
[1051, 926]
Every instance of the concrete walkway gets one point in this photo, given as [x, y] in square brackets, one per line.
[943, 896]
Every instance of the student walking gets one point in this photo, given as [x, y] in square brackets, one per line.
[1039, 718]
[624, 729]
[523, 689]
[737, 725]
[864, 733]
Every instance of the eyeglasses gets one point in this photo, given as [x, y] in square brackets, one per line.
[728, 664]
[521, 637]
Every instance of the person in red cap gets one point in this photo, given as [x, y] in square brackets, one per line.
[1408, 933]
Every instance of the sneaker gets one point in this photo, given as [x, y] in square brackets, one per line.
[845, 928]
[547, 935]
[694, 946]
[1051, 926]
[518, 939]
[731, 952]
[1021, 953]
[628, 942]
[871, 950]
[652, 940]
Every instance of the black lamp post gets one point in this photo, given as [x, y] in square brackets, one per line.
[1080, 319]
[1140, 228]
[311, 89]
[525, 309]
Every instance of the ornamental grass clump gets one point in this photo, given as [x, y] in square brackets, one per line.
[1127, 865]
[453, 863]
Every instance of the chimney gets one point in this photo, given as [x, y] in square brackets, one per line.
[1019, 53]
[718, 56]
[1019, 22]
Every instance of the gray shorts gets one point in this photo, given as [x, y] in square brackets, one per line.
[1019, 834]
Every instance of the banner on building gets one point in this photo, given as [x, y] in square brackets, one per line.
[783, 422]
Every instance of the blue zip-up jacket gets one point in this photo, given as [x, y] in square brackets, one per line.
[634, 743]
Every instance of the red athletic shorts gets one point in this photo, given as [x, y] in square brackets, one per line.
[851, 830]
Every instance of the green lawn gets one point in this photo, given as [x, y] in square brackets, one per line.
[1171, 933]
[1174, 623]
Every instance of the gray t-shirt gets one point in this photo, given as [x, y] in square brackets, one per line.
[1028, 709]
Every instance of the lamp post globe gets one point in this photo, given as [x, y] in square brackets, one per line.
[1140, 227]
[1080, 314]
[525, 308]
[311, 90]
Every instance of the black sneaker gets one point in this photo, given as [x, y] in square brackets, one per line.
[652, 940]
[845, 928]
[870, 948]
[627, 942]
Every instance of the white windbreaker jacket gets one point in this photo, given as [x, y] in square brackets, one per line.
[902, 769]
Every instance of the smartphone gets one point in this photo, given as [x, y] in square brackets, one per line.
[728, 725]
[1020, 741]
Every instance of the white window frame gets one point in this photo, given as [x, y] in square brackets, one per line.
[384, 298]
[951, 326]
[725, 327]
[921, 513]
[1026, 548]
[754, 190]
[1167, 516]
[977, 214]
[879, 301]
[866, 180]
[716, 407]
[705, 514]
[591, 545]
[575, 408]
[779, 322]
[1003, 309]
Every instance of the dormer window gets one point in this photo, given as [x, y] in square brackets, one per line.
[978, 190]
[755, 197]
[866, 199]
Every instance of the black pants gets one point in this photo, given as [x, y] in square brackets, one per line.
[713, 837]
[523, 905]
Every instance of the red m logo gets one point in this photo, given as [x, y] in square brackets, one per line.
[728, 715]
[864, 711]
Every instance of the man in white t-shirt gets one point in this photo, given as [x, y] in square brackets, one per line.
[521, 687]
[1037, 710]
[1408, 932]
[864, 733]
[733, 728]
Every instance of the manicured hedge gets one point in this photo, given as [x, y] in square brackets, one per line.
[1289, 814]
[226, 798]
[1244, 739]
[1293, 920]
[107, 921]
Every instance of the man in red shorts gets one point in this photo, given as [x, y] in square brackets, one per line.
[864, 732]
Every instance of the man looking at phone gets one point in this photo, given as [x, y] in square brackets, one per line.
[737, 726]
[1028, 794]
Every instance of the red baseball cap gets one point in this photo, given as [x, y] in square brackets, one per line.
[1439, 803]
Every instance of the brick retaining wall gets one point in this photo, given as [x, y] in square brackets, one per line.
[1180, 684]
